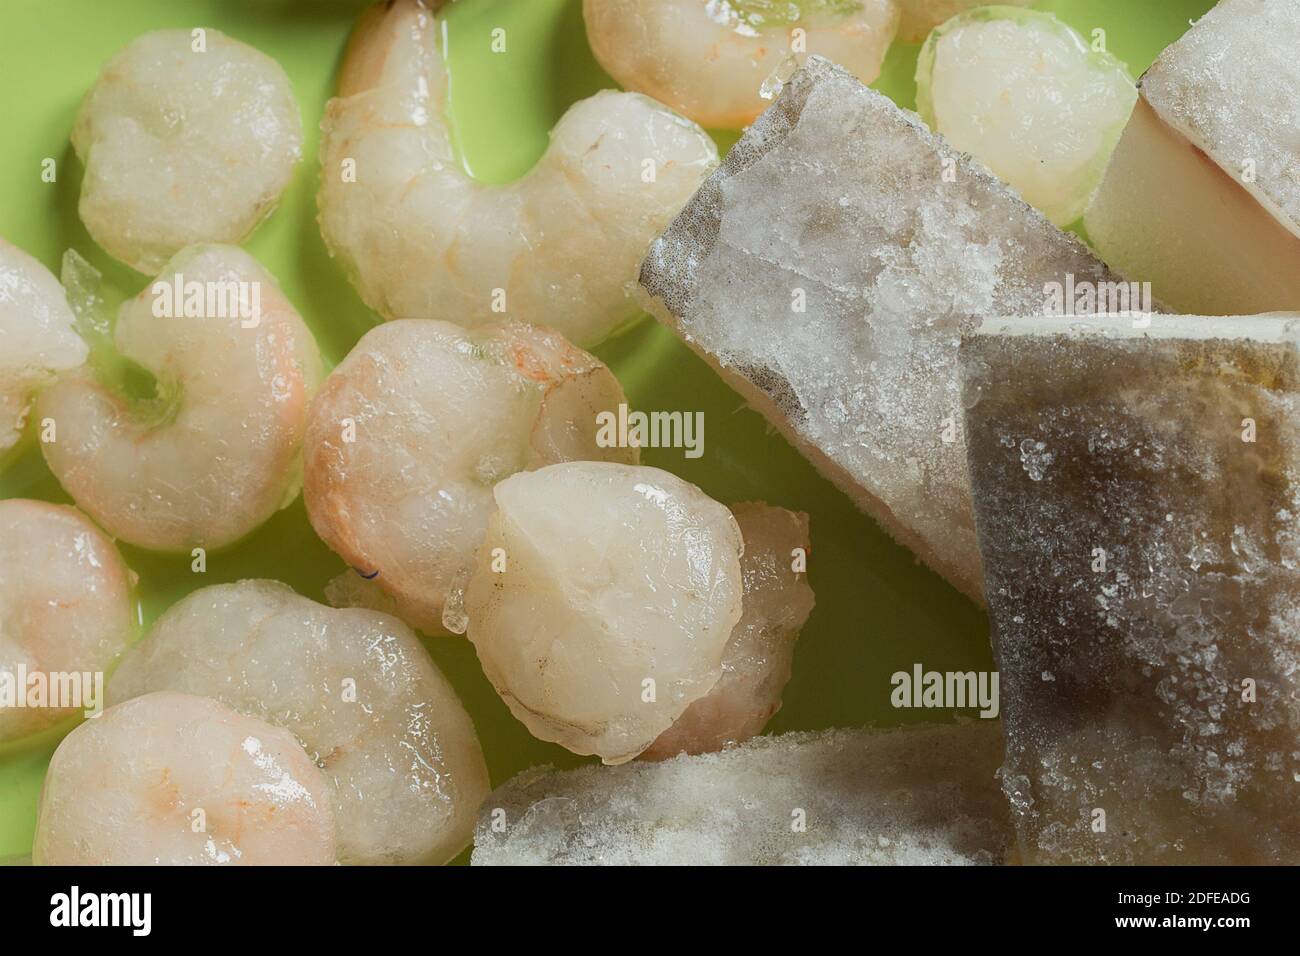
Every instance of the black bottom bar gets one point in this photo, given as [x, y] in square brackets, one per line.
[1029, 906]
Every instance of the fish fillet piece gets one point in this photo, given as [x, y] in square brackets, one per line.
[1202, 195]
[828, 270]
[1136, 494]
[922, 795]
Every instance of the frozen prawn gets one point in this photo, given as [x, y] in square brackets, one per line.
[37, 337]
[603, 601]
[216, 451]
[409, 434]
[358, 690]
[711, 59]
[757, 662]
[422, 239]
[170, 779]
[187, 137]
[66, 611]
[1027, 95]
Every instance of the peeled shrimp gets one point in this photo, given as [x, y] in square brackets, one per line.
[66, 609]
[37, 337]
[170, 779]
[409, 434]
[757, 661]
[216, 453]
[710, 59]
[421, 239]
[357, 689]
[603, 601]
[184, 145]
[1025, 93]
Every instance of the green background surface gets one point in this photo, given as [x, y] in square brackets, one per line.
[878, 611]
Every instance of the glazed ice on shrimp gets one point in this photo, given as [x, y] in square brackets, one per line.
[758, 659]
[176, 780]
[357, 689]
[409, 434]
[186, 137]
[216, 452]
[603, 601]
[38, 337]
[1028, 96]
[710, 59]
[422, 239]
[66, 606]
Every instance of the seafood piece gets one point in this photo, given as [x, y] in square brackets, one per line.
[602, 602]
[1202, 195]
[38, 337]
[66, 611]
[357, 689]
[174, 780]
[1023, 93]
[349, 589]
[1136, 493]
[422, 240]
[710, 60]
[919, 17]
[921, 795]
[187, 137]
[415, 426]
[216, 451]
[832, 293]
[757, 661]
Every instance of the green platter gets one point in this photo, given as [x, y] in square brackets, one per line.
[878, 611]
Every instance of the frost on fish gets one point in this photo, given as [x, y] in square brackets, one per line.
[602, 602]
[922, 795]
[759, 655]
[1202, 196]
[1143, 576]
[38, 337]
[829, 269]
[1232, 86]
[357, 689]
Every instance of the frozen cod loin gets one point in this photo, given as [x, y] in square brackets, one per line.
[828, 270]
[1137, 493]
[1202, 195]
[923, 795]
